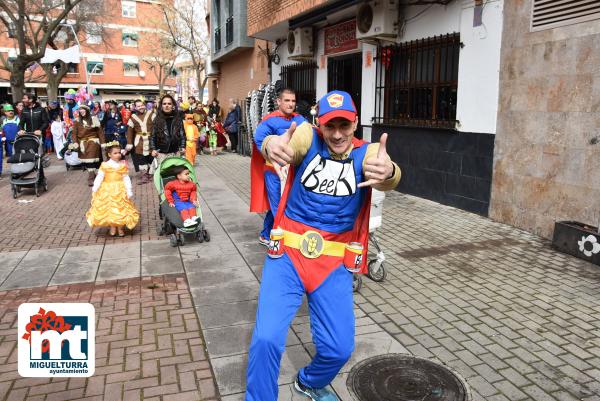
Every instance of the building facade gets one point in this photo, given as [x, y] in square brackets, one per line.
[239, 63]
[118, 59]
[547, 153]
[428, 77]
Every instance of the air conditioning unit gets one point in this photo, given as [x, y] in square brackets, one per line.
[377, 20]
[300, 43]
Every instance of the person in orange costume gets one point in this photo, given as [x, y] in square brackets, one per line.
[191, 138]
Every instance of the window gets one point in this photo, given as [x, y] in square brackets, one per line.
[551, 14]
[128, 9]
[95, 67]
[93, 38]
[131, 69]
[72, 68]
[302, 77]
[218, 13]
[130, 39]
[217, 46]
[416, 82]
[229, 31]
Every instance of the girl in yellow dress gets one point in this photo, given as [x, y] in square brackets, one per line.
[112, 193]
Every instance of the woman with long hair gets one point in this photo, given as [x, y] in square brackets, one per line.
[168, 136]
[88, 138]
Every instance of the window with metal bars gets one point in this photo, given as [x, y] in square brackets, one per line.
[416, 82]
[302, 78]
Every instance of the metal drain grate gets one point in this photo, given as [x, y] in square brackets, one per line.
[397, 377]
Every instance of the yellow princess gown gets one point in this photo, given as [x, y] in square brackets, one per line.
[111, 205]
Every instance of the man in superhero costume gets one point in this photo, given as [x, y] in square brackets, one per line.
[325, 206]
[265, 182]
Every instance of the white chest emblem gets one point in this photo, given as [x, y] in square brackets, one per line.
[329, 177]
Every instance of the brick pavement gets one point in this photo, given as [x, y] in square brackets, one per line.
[57, 218]
[148, 344]
[517, 319]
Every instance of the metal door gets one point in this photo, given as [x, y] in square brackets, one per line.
[345, 73]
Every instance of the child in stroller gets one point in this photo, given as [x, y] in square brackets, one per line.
[173, 221]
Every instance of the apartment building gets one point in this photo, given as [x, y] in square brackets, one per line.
[239, 62]
[117, 57]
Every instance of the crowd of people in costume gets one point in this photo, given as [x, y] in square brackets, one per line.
[103, 136]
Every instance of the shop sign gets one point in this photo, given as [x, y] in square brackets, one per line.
[341, 37]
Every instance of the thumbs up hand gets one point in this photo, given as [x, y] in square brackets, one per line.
[379, 168]
[279, 150]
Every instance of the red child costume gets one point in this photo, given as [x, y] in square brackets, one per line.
[182, 194]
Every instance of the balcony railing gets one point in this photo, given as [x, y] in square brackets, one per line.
[229, 31]
[217, 39]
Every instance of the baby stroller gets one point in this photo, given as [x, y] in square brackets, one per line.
[375, 268]
[70, 156]
[26, 161]
[172, 224]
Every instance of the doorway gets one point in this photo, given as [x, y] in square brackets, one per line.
[345, 73]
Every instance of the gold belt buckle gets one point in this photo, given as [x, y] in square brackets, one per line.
[311, 244]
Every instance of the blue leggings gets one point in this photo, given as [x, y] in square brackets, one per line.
[273, 185]
[331, 321]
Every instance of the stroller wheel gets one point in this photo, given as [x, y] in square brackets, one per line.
[206, 235]
[14, 191]
[67, 166]
[45, 187]
[200, 236]
[173, 240]
[37, 191]
[379, 275]
[181, 239]
[356, 283]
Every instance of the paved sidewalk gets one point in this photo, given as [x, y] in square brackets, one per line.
[57, 218]
[517, 319]
[148, 344]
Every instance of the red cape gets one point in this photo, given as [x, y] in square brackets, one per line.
[259, 202]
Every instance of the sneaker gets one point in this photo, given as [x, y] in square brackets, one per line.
[315, 394]
[263, 241]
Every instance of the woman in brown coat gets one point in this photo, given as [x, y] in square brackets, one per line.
[88, 136]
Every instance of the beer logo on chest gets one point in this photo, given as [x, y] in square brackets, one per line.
[329, 177]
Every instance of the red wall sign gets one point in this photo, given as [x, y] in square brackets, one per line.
[341, 37]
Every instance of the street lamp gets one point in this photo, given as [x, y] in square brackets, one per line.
[87, 77]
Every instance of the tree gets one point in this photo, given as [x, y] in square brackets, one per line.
[162, 61]
[82, 19]
[184, 22]
[31, 24]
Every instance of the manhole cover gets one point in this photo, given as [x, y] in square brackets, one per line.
[397, 377]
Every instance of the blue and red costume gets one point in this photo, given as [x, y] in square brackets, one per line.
[339, 213]
[182, 195]
[265, 184]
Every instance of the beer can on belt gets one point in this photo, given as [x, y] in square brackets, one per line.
[275, 249]
[353, 256]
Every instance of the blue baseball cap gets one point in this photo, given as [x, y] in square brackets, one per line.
[336, 104]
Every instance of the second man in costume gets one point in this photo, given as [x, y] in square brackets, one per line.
[139, 129]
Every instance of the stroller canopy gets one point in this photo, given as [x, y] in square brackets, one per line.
[165, 169]
[27, 143]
